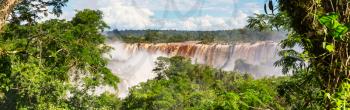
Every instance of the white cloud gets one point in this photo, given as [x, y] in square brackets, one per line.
[116, 13]
[253, 7]
[147, 14]
[123, 16]
[240, 20]
[204, 23]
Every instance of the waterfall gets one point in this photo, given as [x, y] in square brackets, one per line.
[134, 63]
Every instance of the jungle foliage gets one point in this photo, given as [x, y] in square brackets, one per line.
[167, 36]
[57, 64]
[40, 62]
[183, 85]
[321, 28]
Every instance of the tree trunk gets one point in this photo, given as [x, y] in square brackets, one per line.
[6, 7]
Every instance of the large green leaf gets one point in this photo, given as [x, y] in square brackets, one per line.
[339, 31]
[331, 22]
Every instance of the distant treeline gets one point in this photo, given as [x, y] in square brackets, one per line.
[166, 36]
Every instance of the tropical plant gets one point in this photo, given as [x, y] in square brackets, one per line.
[183, 85]
[320, 28]
[28, 11]
[56, 64]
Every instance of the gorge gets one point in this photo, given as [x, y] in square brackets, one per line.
[134, 62]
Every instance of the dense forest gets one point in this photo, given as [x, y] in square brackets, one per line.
[220, 36]
[58, 64]
[182, 85]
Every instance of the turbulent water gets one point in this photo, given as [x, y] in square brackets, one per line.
[133, 63]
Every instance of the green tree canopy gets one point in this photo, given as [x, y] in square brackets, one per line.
[320, 27]
[39, 64]
[182, 85]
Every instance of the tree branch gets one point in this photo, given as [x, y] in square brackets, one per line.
[6, 7]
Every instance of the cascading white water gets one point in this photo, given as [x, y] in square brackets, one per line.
[134, 63]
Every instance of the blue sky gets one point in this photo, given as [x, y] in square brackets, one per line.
[171, 14]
